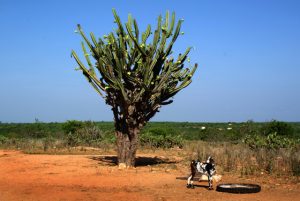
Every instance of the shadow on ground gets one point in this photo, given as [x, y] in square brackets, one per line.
[195, 179]
[139, 161]
[200, 186]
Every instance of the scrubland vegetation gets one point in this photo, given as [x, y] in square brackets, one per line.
[247, 148]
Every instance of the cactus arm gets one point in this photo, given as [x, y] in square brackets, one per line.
[187, 80]
[136, 29]
[84, 69]
[146, 34]
[117, 18]
[166, 25]
[95, 86]
[183, 57]
[175, 36]
[167, 102]
[92, 49]
[90, 77]
[94, 40]
[171, 25]
[156, 36]
[194, 70]
[86, 55]
[137, 45]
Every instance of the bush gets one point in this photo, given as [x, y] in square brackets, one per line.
[295, 163]
[48, 142]
[272, 141]
[281, 128]
[161, 138]
[3, 139]
[72, 126]
[83, 133]
[35, 130]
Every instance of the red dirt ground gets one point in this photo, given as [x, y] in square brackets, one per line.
[82, 177]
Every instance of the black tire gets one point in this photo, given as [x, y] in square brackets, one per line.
[238, 188]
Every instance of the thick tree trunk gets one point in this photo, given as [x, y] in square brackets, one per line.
[127, 144]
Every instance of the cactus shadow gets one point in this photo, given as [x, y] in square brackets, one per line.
[140, 161]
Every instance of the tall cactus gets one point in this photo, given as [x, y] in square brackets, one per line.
[134, 76]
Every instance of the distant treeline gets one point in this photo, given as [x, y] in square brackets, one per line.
[187, 131]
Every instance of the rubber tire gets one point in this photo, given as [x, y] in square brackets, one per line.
[238, 188]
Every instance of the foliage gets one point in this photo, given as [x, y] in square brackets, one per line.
[271, 145]
[72, 126]
[254, 141]
[295, 162]
[85, 133]
[279, 127]
[216, 132]
[31, 130]
[3, 139]
[271, 141]
[161, 138]
[48, 142]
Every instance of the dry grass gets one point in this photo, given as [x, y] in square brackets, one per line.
[233, 158]
[239, 158]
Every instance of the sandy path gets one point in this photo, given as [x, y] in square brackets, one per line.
[80, 177]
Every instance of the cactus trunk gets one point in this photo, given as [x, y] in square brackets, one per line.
[127, 130]
[127, 144]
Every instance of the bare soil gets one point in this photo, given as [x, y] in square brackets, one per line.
[96, 177]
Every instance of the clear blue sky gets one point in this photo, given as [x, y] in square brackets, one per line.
[248, 53]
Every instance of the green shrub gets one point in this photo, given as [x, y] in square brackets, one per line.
[3, 139]
[279, 127]
[72, 126]
[254, 141]
[108, 137]
[272, 141]
[35, 130]
[161, 138]
[83, 133]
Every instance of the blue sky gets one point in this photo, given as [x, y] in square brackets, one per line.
[248, 54]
